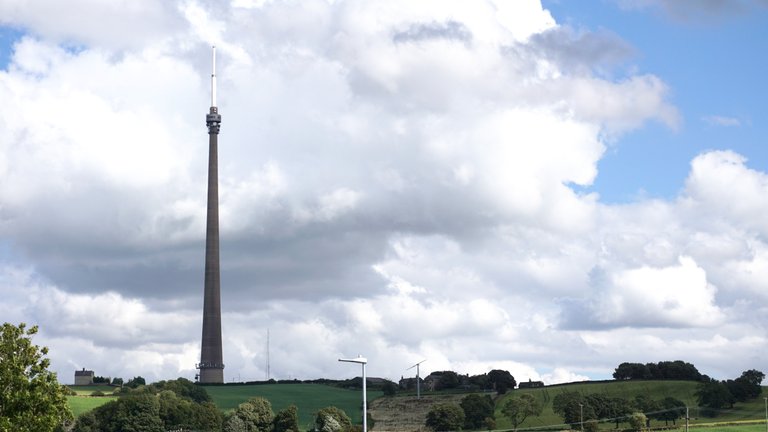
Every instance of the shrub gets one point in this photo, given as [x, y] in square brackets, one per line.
[445, 417]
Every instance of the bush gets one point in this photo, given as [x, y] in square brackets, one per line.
[287, 420]
[476, 409]
[637, 422]
[97, 393]
[445, 417]
[332, 419]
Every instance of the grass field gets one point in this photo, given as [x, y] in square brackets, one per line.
[308, 398]
[683, 390]
[81, 404]
[759, 427]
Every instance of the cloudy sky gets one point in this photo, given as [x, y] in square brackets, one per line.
[551, 187]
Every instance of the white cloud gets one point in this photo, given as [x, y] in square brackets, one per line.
[670, 296]
[716, 120]
[396, 179]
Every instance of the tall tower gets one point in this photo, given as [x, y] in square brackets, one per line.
[211, 364]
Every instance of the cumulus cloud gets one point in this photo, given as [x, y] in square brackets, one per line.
[675, 296]
[396, 179]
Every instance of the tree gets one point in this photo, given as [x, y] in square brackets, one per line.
[644, 404]
[573, 408]
[448, 380]
[501, 380]
[445, 417]
[31, 399]
[607, 407]
[672, 409]
[234, 424]
[183, 388]
[101, 380]
[627, 371]
[389, 388]
[256, 413]
[751, 380]
[287, 420]
[517, 409]
[135, 382]
[712, 396]
[138, 412]
[477, 409]
[332, 419]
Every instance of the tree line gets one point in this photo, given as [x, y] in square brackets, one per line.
[663, 370]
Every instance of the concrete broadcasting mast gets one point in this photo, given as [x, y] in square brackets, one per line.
[211, 364]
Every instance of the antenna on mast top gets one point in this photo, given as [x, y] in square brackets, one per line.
[213, 77]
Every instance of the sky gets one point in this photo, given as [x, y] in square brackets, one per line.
[546, 187]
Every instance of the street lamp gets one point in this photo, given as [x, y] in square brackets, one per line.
[361, 360]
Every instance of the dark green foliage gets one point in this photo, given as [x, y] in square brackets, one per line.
[570, 406]
[637, 422]
[631, 371]
[134, 413]
[476, 409]
[616, 408]
[480, 382]
[389, 388]
[256, 413]
[183, 388]
[664, 370]
[501, 380]
[445, 417]
[87, 422]
[136, 382]
[31, 399]
[101, 380]
[448, 380]
[117, 381]
[150, 409]
[517, 409]
[97, 393]
[712, 396]
[287, 420]
[747, 386]
[332, 419]
[644, 405]
[671, 410]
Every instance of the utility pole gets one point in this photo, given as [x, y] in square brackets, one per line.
[686, 418]
[581, 416]
[766, 413]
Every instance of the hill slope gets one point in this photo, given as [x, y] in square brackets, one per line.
[308, 398]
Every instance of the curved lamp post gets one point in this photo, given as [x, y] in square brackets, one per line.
[361, 360]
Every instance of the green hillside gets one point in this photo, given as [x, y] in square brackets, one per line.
[307, 397]
[683, 390]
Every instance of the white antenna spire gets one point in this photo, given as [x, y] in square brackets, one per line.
[213, 78]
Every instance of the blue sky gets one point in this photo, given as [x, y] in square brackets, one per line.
[713, 66]
[387, 166]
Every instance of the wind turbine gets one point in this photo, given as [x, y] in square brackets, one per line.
[418, 385]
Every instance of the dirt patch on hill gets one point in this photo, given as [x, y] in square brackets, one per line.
[406, 414]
